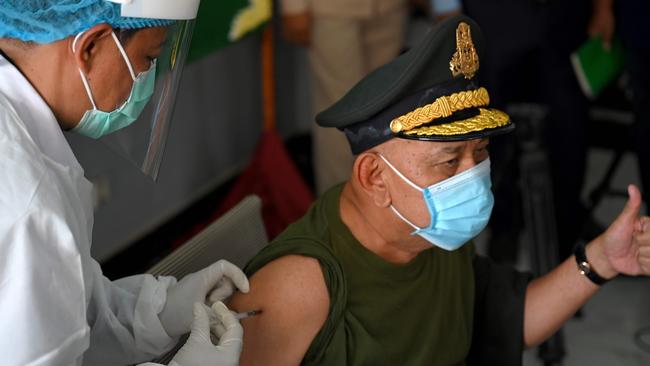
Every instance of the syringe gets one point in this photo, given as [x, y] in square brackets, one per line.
[247, 314]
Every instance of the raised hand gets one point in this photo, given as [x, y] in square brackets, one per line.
[626, 243]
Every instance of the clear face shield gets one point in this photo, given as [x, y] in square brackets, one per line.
[143, 141]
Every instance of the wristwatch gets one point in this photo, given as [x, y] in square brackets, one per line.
[584, 267]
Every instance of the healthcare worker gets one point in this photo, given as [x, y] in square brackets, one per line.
[91, 67]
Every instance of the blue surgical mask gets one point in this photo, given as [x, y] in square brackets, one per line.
[95, 123]
[459, 207]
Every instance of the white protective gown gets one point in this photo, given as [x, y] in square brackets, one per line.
[56, 307]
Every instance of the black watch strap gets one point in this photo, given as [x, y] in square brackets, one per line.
[585, 267]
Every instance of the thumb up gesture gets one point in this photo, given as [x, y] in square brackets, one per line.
[626, 242]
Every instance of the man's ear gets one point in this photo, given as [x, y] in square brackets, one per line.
[87, 45]
[368, 170]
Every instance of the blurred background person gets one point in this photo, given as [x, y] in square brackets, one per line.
[529, 61]
[346, 39]
[627, 20]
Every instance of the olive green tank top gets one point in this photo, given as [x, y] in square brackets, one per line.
[381, 313]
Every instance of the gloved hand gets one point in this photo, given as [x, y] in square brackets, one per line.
[217, 279]
[199, 349]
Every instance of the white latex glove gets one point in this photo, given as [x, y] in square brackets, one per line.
[199, 349]
[217, 279]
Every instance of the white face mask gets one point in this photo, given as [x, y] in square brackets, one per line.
[459, 207]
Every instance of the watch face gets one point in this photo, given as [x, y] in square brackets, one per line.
[584, 268]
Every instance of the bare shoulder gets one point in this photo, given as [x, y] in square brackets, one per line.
[294, 280]
[293, 297]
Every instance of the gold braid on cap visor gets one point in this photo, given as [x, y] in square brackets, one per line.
[487, 118]
[443, 107]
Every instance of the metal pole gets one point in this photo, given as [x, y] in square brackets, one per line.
[538, 208]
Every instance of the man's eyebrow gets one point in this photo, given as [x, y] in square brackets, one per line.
[438, 155]
[450, 149]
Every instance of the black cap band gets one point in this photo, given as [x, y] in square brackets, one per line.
[374, 131]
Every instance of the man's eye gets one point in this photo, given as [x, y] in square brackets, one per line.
[452, 162]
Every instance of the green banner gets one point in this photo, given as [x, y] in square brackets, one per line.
[221, 22]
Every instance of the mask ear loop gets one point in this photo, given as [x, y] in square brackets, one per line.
[404, 218]
[407, 181]
[89, 91]
[400, 174]
[83, 77]
[124, 55]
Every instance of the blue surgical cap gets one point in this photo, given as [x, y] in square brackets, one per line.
[47, 21]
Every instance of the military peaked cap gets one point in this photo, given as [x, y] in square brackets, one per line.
[430, 92]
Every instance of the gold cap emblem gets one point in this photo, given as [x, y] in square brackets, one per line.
[465, 59]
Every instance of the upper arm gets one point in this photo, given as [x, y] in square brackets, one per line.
[294, 300]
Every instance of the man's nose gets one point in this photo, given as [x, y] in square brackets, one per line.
[468, 163]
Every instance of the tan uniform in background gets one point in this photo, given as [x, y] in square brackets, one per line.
[348, 39]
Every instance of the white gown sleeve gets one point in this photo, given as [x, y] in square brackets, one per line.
[56, 307]
[42, 302]
[123, 315]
